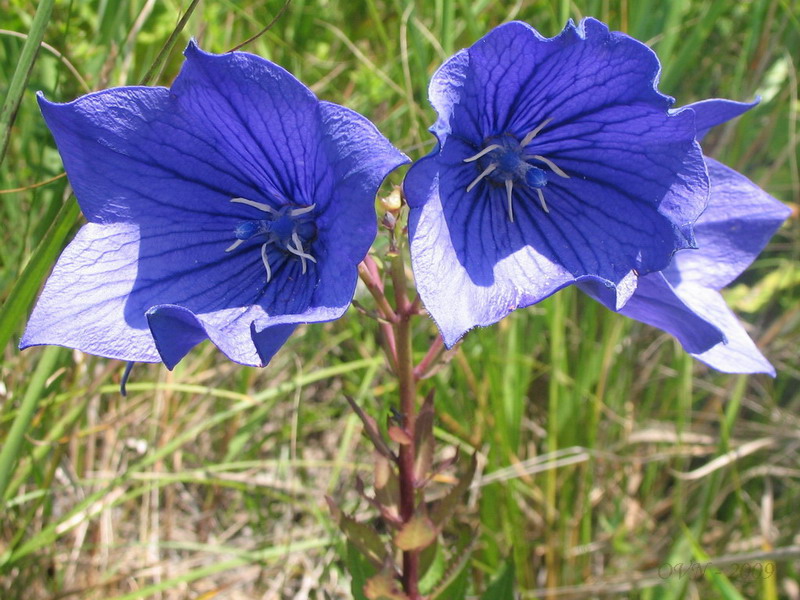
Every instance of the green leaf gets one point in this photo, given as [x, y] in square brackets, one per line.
[502, 588]
[16, 89]
[387, 485]
[433, 565]
[364, 537]
[370, 429]
[360, 570]
[453, 585]
[15, 309]
[713, 575]
[456, 582]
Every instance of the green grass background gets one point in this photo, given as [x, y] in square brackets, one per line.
[607, 455]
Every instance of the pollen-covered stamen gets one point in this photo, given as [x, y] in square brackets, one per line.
[509, 190]
[259, 205]
[483, 152]
[265, 260]
[289, 230]
[553, 167]
[505, 162]
[541, 200]
[234, 245]
[483, 174]
[297, 250]
[302, 211]
[529, 138]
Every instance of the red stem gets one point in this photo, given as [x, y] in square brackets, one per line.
[405, 375]
[433, 354]
[368, 272]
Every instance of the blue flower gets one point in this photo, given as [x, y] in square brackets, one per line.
[558, 161]
[232, 206]
[683, 299]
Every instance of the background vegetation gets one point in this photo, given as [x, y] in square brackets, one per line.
[607, 455]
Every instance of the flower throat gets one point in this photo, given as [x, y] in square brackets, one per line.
[288, 229]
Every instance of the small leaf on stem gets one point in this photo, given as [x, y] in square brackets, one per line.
[383, 587]
[447, 587]
[416, 534]
[399, 435]
[362, 536]
[387, 485]
[424, 441]
[371, 429]
[445, 507]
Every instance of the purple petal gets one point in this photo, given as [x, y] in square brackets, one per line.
[175, 330]
[738, 353]
[658, 304]
[83, 304]
[738, 223]
[715, 111]
[270, 339]
[261, 118]
[132, 156]
[637, 180]
[458, 298]
[360, 158]
[180, 184]
[610, 125]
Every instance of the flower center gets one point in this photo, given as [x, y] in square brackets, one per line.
[506, 161]
[289, 230]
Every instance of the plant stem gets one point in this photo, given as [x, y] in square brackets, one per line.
[367, 271]
[433, 354]
[405, 375]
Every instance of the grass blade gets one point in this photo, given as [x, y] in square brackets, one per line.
[23, 71]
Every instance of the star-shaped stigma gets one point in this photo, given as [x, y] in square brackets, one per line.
[505, 161]
[290, 230]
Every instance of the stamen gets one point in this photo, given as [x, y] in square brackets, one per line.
[550, 164]
[483, 152]
[259, 205]
[234, 245]
[297, 250]
[529, 138]
[265, 260]
[486, 171]
[301, 211]
[509, 188]
[541, 199]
